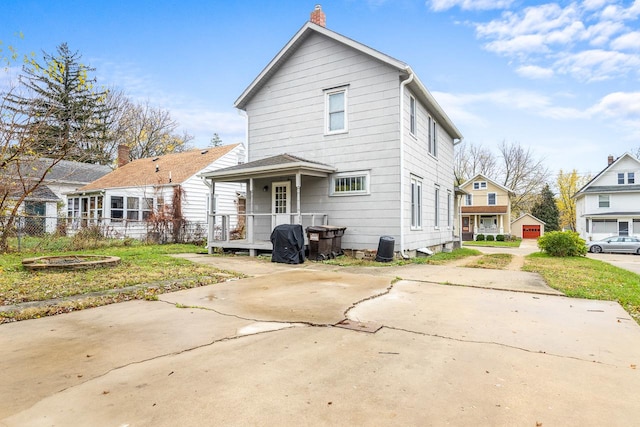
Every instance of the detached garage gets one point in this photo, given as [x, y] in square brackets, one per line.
[527, 227]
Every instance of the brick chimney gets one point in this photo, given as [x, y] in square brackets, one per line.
[123, 155]
[609, 159]
[318, 17]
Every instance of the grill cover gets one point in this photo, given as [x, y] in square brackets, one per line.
[288, 244]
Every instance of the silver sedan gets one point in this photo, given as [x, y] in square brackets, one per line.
[618, 244]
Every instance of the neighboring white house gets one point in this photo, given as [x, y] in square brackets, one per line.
[42, 207]
[486, 208]
[609, 204]
[147, 195]
[343, 134]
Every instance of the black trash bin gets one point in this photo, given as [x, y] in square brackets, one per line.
[385, 249]
[288, 244]
[320, 242]
[336, 245]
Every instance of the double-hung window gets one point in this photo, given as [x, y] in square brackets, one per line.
[433, 137]
[621, 178]
[437, 207]
[603, 201]
[468, 199]
[412, 116]
[416, 203]
[336, 110]
[133, 205]
[117, 208]
[491, 199]
[631, 178]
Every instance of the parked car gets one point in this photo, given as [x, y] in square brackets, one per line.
[619, 244]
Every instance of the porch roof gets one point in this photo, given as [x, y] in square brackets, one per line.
[283, 164]
[484, 209]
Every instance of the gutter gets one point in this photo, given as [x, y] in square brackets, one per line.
[402, 177]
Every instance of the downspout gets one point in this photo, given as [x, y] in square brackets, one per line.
[402, 178]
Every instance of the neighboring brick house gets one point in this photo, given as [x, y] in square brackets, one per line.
[486, 208]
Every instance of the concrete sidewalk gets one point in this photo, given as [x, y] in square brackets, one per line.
[273, 349]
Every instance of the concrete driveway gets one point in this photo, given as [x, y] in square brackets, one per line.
[318, 345]
[629, 262]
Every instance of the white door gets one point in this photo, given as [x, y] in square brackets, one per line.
[281, 202]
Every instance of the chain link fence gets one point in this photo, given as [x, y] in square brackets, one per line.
[29, 232]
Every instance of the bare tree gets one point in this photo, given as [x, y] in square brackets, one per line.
[150, 131]
[471, 160]
[523, 173]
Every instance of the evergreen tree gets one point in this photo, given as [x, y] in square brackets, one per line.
[545, 209]
[68, 115]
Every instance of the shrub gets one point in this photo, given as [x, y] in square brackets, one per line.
[500, 238]
[480, 238]
[562, 244]
[490, 238]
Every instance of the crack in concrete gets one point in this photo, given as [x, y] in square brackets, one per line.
[494, 343]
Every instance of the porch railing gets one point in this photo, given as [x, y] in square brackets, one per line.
[257, 226]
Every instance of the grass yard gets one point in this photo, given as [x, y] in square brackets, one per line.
[145, 270]
[494, 244]
[582, 277]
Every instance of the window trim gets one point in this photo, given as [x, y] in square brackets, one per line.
[601, 200]
[416, 203]
[354, 174]
[620, 178]
[327, 113]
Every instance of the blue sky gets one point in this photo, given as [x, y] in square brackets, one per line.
[562, 78]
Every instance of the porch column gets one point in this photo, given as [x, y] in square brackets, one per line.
[250, 214]
[298, 185]
[501, 229]
[211, 221]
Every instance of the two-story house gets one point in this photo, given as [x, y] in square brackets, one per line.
[609, 204]
[343, 134]
[486, 208]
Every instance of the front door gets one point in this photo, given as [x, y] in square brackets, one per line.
[281, 202]
[623, 228]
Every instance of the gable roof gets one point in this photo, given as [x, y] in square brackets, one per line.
[171, 169]
[280, 164]
[590, 188]
[530, 216]
[310, 28]
[483, 177]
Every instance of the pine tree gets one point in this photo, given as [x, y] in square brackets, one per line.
[68, 114]
[545, 209]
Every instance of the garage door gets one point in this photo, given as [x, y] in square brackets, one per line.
[530, 231]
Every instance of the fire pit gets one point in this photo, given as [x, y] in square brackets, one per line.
[69, 262]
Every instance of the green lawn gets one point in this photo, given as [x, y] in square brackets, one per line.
[494, 244]
[583, 277]
[147, 268]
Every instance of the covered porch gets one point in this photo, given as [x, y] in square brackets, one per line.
[283, 189]
[486, 220]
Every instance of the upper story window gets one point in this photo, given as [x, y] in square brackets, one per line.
[603, 201]
[350, 183]
[412, 116]
[433, 137]
[621, 178]
[468, 199]
[491, 199]
[480, 185]
[631, 178]
[336, 110]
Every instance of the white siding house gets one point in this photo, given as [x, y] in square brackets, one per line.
[609, 204]
[149, 195]
[341, 134]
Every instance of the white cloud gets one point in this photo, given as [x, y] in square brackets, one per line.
[624, 105]
[629, 41]
[535, 72]
[597, 64]
[441, 5]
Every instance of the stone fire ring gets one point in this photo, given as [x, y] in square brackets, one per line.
[69, 262]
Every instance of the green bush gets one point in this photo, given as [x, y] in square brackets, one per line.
[562, 244]
[490, 238]
[480, 238]
[500, 238]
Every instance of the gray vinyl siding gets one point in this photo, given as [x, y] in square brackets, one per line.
[287, 116]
